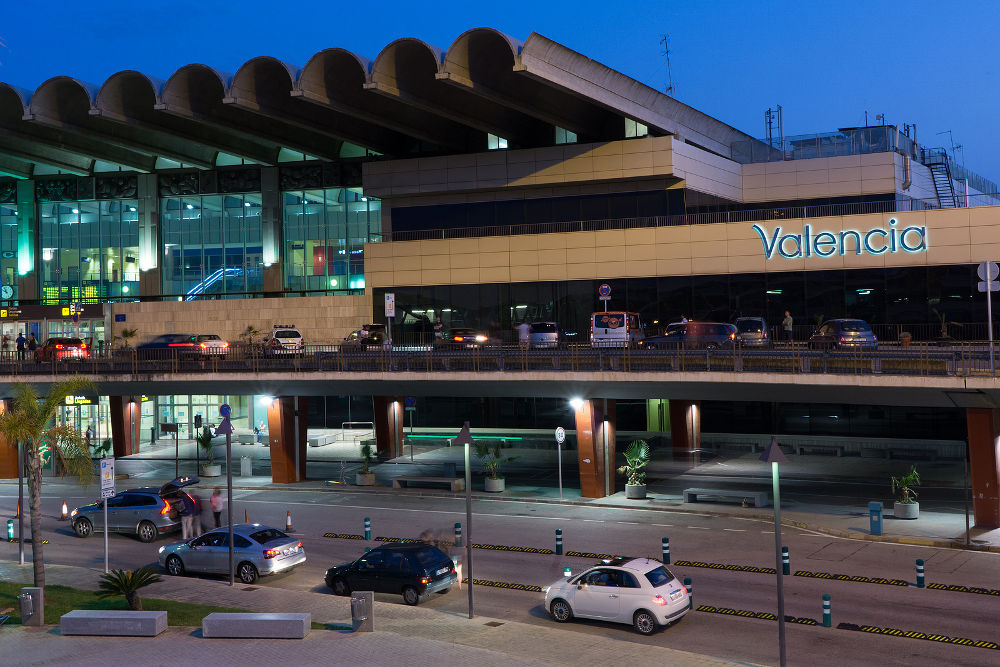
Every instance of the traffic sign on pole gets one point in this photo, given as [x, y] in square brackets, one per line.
[988, 273]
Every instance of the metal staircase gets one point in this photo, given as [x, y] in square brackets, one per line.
[937, 161]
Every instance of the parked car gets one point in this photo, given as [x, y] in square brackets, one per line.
[615, 329]
[461, 338]
[369, 337]
[410, 570]
[544, 335]
[146, 512]
[259, 551]
[638, 591]
[285, 339]
[693, 336]
[168, 346]
[752, 332]
[61, 349]
[843, 334]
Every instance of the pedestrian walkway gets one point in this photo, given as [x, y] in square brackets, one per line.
[404, 635]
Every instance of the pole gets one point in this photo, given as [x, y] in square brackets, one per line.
[295, 413]
[468, 526]
[177, 453]
[411, 436]
[559, 454]
[966, 493]
[989, 317]
[20, 503]
[105, 503]
[607, 464]
[229, 503]
[777, 562]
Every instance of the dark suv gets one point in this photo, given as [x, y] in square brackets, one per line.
[410, 570]
[693, 336]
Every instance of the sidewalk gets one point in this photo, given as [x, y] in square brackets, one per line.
[404, 635]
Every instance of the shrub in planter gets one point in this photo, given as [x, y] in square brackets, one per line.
[366, 477]
[906, 506]
[493, 460]
[636, 459]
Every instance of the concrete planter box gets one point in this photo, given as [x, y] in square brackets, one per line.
[635, 491]
[211, 470]
[364, 479]
[906, 510]
[495, 485]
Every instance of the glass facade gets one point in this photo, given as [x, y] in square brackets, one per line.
[8, 253]
[90, 251]
[325, 232]
[212, 246]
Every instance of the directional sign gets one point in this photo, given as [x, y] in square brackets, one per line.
[988, 269]
[560, 435]
[390, 304]
[107, 478]
[994, 286]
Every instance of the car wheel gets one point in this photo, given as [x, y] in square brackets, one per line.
[146, 531]
[644, 622]
[411, 596]
[340, 586]
[82, 527]
[247, 572]
[561, 611]
[174, 566]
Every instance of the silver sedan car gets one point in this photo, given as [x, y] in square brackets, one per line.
[259, 551]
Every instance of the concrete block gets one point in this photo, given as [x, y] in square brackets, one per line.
[110, 622]
[256, 625]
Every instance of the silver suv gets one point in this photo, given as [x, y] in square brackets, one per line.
[146, 512]
[285, 339]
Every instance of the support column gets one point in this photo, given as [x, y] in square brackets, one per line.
[150, 245]
[28, 242]
[8, 450]
[126, 419]
[984, 432]
[270, 220]
[287, 438]
[685, 426]
[388, 426]
[595, 438]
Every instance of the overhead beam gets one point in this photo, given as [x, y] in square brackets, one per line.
[48, 131]
[16, 168]
[28, 150]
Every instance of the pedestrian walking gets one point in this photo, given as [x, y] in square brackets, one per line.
[32, 342]
[438, 327]
[20, 342]
[524, 334]
[187, 511]
[88, 434]
[216, 502]
[786, 326]
[5, 344]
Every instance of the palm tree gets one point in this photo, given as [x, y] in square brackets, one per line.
[29, 422]
[128, 583]
[127, 335]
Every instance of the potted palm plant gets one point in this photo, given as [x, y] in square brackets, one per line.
[204, 440]
[493, 460]
[906, 506]
[366, 477]
[636, 458]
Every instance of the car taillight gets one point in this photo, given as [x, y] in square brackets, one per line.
[59, 346]
[166, 508]
[83, 346]
[224, 345]
[425, 580]
[459, 338]
[180, 345]
[271, 553]
[732, 336]
[658, 599]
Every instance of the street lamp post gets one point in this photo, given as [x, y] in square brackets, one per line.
[774, 456]
[227, 428]
[465, 438]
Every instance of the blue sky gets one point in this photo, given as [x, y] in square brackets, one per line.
[826, 63]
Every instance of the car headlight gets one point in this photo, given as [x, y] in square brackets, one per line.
[73, 513]
[480, 339]
[160, 550]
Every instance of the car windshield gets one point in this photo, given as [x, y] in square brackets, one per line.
[287, 334]
[855, 325]
[207, 337]
[267, 534]
[659, 576]
[544, 327]
[749, 326]
[429, 557]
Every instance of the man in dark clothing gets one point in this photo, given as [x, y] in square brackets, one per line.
[21, 340]
[32, 342]
[188, 512]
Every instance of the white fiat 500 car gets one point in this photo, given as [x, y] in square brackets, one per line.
[638, 591]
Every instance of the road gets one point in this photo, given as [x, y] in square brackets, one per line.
[693, 538]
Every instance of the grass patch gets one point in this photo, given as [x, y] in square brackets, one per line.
[336, 627]
[60, 600]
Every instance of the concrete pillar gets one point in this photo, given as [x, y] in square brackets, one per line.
[657, 414]
[595, 438]
[287, 422]
[685, 426]
[28, 243]
[150, 242]
[984, 435]
[271, 227]
[8, 450]
[125, 413]
[388, 426]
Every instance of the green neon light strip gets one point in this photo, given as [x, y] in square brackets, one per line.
[480, 437]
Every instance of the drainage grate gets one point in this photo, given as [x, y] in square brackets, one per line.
[493, 624]
[250, 588]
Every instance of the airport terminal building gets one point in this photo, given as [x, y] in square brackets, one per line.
[488, 183]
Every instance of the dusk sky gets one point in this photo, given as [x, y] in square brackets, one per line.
[826, 63]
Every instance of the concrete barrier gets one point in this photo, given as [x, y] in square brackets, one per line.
[256, 625]
[113, 622]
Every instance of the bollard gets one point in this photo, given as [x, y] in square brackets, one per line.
[368, 528]
[665, 545]
[458, 534]
[559, 541]
[288, 522]
[690, 589]
[246, 516]
[65, 512]
[827, 621]
[567, 572]
[10, 530]
[786, 566]
[920, 573]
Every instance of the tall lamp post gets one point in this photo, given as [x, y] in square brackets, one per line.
[227, 428]
[465, 438]
[774, 456]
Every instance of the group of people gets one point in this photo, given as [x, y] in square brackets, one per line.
[190, 518]
[22, 345]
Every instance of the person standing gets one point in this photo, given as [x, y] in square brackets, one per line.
[5, 344]
[187, 511]
[216, 502]
[786, 326]
[20, 342]
[32, 342]
[438, 328]
[88, 434]
[524, 334]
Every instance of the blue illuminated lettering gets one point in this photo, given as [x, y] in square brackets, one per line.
[825, 244]
[877, 241]
[868, 245]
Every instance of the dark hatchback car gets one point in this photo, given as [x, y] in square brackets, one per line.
[168, 346]
[692, 336]
[461, 338]
[61, 349]
[410, 570]
[752, 332]
[844, 334]
[146, 512]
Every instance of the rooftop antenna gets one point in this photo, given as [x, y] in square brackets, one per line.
[773, 121]
[665, 41]
[955, 147]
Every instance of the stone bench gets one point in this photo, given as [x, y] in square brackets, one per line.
[245, 438]
[320, 440]
[838, 449]
[113, 622]
[759, 498]
[256, 625]
[454, 483]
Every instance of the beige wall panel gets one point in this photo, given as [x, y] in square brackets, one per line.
[638, 253]
[551, 241]
[680, 266]
[552, 256]
[464, 261]
[955, 236]
[408, 278]
[379, 278]
[376, 264]
[494, 274]
[552, 272]
[878, 185]
[467, 161]
[754, 181]
[610, 237]
[852, 260]
[521, 243]
[373, 250]
[494, 259]
[674, 234]
[704, 249]
[584, 271]
[779, 179]
[885, 170]
[523, 258]
[811, 177]
[959, 217]
[986, 215]
[465, 276]
[948, 255]
[988, 252]
[581, 240]
[611, 163]
[435, 262]
[783, 192]
[640, 268]
[464, 245]
[745, 247]
[606, 149]
[524, 273]
[716, 232]
[640, 236]
[406, 263]
[435, 276]
[747, 264]
[612, 253]
[581, 255]
[708, 266]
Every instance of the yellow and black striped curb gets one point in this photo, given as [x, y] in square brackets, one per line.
[588, 554]
[501, 547]
[13, 540]
[964, 589]
[725, 566]
[894, 632]
[764, 615]
[504, 584]
[344, 536]
[848, 577]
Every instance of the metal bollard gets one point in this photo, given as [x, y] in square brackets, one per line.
[458, 534]
[665, 546]
[559, 541]
[10, 530]
[827, 620]
[786, 566]
[368, 528]
[920, 573]
[567, 572]
[690, 589]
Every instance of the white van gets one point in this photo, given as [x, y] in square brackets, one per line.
[615, 329]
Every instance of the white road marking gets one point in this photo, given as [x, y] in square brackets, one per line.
[736, 530]
[663, 525]
[699, 527]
